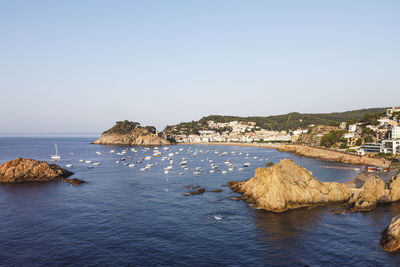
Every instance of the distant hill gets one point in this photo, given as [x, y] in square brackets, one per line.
[290, 121]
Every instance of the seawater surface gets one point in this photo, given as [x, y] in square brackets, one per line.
[125, 216]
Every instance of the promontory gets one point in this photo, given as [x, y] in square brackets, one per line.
[131, 133]
[22, 170]
[287, 185]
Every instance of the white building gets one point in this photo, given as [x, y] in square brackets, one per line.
[352, 127]
[348, 135]
[391, 146]
[395, 132]
[390, 111]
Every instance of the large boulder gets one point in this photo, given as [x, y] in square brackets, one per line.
[390, 239]
[29, 170]
[287, 185]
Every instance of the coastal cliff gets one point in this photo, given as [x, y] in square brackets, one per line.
[287, 186]
[131, 133]
[329, 155]
[22, 170]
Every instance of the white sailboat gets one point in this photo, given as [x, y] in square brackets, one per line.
[55, 157]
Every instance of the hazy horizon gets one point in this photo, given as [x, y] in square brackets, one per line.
[77, 67]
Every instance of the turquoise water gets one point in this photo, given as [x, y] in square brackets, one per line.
[124, 216]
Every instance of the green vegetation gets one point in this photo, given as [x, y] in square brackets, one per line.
[286, 122]
[269, 164]
[372, 118]
[125, 127]
[333, 137]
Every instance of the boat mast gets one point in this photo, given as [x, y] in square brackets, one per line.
[56, 150]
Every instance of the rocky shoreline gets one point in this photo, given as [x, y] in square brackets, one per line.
[330, 155]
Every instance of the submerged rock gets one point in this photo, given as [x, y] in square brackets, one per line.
[217, 191]
[287, 186]
[390, 239]
[22, 170]
[74, 181]
[196, 192]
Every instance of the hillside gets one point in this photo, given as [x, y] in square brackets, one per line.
[290, 121]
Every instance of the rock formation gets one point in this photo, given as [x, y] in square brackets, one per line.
[287, 186]
[390, 239]
[131, 133]
[29, 170]
[330, 155]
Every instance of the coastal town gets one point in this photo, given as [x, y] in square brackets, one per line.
[374, 134]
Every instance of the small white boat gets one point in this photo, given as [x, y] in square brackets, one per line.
[240, 169]
[98, 153]
[88, 161]
[81, 160]
[90, 167]
[131, 165]
[112, 151]
[196, 173]
[68, 165]
[212, 171]
[224, 172]
[166, 172]
[143, 169]
[117, 162]
[96, 164]
[247, 164]
[147, 158]
[180, 173]
[55, 157]
[183, 163]
[230, 169]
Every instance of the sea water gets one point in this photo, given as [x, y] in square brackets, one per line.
[125, 216]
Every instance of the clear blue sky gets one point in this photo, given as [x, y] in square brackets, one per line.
[79, 66]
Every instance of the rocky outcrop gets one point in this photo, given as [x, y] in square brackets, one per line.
[74, 181]
[22, 170]
[390, 239]
[131, 134]
[330, 155]
[287, 186]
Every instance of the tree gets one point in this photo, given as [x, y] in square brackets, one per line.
[359, 142]
[332, 138]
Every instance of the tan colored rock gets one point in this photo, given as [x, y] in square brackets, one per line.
[372, 193]
[394, 186]
[137, 137]
[390, 239]
[29, 170]
[330, 155]
[287, 186]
